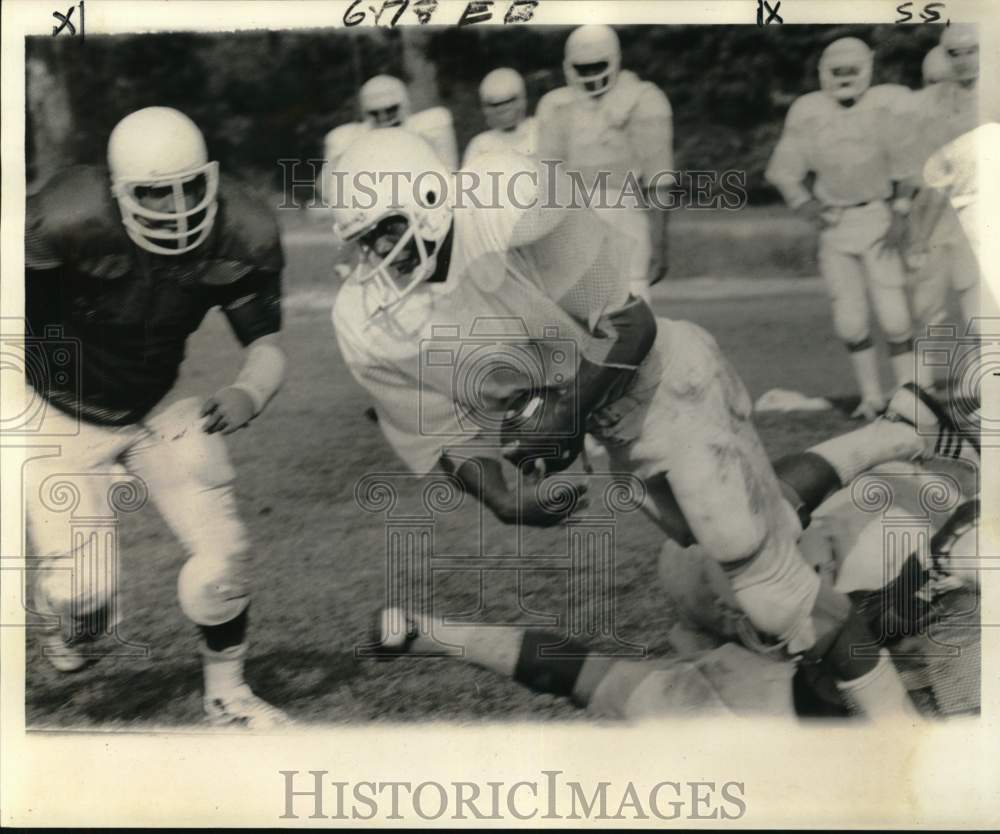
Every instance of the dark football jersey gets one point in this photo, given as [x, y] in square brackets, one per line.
[118, 317]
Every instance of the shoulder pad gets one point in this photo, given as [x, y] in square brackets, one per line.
[653, 102]
[889, 95]
[432, 118]
[341, 138]
[809, 106]
[555, 100]
[247, 235]
[75, 216]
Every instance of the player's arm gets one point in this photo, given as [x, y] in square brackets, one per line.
[254, 313]
[651, 133]
[631, 329]
[483, 478]
[789, 164]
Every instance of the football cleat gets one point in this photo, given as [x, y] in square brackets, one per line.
[70, 644]
[392, 633]
[241, 708]
[917, 407]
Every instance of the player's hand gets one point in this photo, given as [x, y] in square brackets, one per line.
[812, 212]
[540, 505]
[896, 237]
[227, 410]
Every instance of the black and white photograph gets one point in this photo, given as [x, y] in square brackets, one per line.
[408, 374]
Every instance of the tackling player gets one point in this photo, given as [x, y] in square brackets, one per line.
[615, 132]
[128, 261]
[720, 668]
[849, 135]
[578, 354]
[504, 100]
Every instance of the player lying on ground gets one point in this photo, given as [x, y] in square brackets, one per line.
[129, 266]
[657, 394]
[721, 668]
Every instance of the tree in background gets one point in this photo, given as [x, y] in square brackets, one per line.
[263, 96]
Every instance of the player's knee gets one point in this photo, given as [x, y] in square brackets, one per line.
[850, 324]
[777, 590]
[212, 591]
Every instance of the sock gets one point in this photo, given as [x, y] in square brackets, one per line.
[223, 669]
[904, 364]
[230, 633]
[807, 479]
[866, 371]
[879, 442]
[879, 693]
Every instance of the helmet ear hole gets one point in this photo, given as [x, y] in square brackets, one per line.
[431, 198]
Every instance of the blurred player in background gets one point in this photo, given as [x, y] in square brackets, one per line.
[848, 134]
[938, 253]
[129, 264]
[615, 132]
[549, 282]
[384, 101]
[504, 100]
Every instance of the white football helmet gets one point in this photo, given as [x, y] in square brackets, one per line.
[504, 99]
[593, 59]
[384, 101]
[159, 164]
[936, 67]
[960, 43]
[397, 201]
[845, 68]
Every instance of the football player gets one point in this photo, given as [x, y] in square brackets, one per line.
[504, 100]
[719, 668]
[848, 134]
[615, 132]
[940, 254]
[577, 353]
[385, 102]
[128, 260]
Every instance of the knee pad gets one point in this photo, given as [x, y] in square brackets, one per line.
[778, 591]
[849, 322]
[212, 592]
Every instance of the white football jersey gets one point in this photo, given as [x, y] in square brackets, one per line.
[855, 152]
[524, 284]
[433, 124]
[523, 139]
[629, 129]
[939, 114]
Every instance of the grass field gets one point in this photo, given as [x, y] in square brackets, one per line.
[319, 560]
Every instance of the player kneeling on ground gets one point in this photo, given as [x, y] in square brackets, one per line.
[129, 266]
